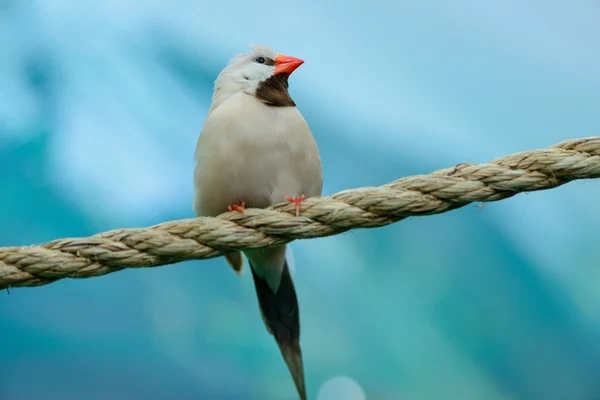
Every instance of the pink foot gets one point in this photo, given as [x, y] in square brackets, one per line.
[237, 207]
[297, 200]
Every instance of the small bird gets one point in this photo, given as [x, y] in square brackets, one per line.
[256, 149]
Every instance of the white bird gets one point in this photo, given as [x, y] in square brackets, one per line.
[255, 150]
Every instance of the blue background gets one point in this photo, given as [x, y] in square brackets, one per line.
[101, 103]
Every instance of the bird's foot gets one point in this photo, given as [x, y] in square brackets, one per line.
[297, 200]
[237, 207]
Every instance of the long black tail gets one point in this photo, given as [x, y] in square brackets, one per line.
[280, 314]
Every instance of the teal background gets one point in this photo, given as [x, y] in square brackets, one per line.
[101, 103]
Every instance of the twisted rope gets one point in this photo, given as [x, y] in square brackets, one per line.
[368, 207]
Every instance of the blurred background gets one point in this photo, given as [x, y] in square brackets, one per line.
[101, 104]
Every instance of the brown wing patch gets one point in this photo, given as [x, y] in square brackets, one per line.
[235, 261]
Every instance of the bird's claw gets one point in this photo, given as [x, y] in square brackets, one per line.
[297, 200]
[237, 207]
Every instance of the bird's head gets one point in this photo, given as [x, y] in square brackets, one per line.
[261, 73]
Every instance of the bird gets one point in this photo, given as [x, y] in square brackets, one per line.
[256, 149]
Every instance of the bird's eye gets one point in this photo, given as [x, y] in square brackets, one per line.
[260, 60]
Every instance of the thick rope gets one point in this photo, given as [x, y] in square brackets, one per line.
[368, 207]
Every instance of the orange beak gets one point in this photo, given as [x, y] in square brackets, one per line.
[286, 64]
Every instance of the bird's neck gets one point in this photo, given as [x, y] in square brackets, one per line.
[224, 91]
[274, 91]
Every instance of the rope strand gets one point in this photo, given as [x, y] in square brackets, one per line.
[368, 207]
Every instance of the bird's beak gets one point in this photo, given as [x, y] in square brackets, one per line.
[286, 64]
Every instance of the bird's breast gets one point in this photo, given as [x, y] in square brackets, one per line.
[255, 154]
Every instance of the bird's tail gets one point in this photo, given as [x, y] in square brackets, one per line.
[280, 313]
